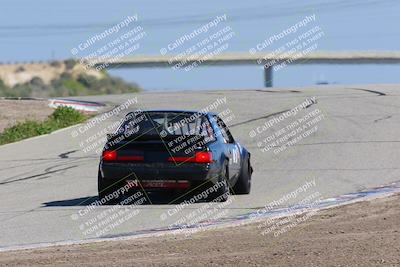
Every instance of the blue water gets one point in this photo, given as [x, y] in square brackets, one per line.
[47, 30]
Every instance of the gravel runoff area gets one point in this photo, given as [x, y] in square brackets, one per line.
[13, 111]
[362, 234]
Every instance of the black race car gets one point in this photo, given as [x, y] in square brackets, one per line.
[162, 150]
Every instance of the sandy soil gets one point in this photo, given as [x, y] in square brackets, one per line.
[11, 111]
[13, 74]
[361, 234]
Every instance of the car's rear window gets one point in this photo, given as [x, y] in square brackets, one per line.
[166, 124]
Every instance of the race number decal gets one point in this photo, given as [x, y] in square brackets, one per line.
[236, 155]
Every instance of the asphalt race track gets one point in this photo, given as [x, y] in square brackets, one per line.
[46, 181]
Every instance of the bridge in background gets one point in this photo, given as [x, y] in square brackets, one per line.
[268, 60]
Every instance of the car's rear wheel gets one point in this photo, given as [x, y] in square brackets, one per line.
[223, 191]
[243, 184]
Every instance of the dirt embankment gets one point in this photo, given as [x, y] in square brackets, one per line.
[13, 74]
[361, 234]
[13, 111]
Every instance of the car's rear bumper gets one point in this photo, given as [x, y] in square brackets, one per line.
[194, 173]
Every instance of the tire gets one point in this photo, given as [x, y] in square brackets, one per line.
[223, 192]
[243, 184]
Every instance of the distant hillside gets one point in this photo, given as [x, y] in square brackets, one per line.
[59, 78]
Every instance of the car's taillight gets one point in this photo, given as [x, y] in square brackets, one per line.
[109, 155]
[203, 157]
[200, 157]
[112, 155]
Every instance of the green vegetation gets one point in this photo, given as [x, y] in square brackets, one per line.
[62, 117]
[68, 85]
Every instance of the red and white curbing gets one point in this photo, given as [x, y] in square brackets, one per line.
[87, 106]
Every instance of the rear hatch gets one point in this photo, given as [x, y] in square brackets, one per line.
[160, 150]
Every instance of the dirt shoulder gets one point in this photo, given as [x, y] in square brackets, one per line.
[13, 111]
[361, 234]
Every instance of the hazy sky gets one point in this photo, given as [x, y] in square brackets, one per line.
[48, 29]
